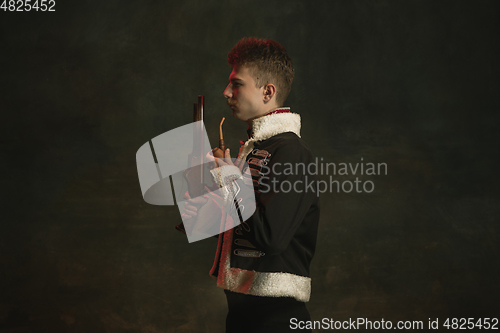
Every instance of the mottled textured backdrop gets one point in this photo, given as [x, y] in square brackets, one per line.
[413, 84]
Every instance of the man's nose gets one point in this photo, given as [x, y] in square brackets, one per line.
[227, 92]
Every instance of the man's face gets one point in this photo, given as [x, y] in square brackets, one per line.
[243, 97]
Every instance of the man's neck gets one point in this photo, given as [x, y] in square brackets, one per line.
[265, 109]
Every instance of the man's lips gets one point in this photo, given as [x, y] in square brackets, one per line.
[231, 104]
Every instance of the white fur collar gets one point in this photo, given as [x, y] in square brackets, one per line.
[268, 126]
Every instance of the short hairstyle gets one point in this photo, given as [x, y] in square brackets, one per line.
[267, 61]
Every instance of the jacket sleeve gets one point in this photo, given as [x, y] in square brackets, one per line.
[285, 193]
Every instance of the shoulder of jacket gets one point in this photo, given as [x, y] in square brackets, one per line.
[286, 144]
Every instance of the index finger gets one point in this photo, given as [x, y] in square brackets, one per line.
[198, 201]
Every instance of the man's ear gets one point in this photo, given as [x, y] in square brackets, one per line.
[269, 92]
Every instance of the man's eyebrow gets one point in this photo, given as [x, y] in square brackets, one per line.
[235, 79]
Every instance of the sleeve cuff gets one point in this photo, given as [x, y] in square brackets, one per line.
[225, 175]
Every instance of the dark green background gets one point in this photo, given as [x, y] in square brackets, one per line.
[413, 84]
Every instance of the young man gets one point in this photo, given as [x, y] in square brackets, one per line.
[263, 264]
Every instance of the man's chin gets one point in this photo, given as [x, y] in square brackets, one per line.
[235, 114]
[238, 115]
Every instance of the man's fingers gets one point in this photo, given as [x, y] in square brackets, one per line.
[220, 162]
[198, 201]
[222, 157]
[190, 211]
[188, 215]
[191, 208]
